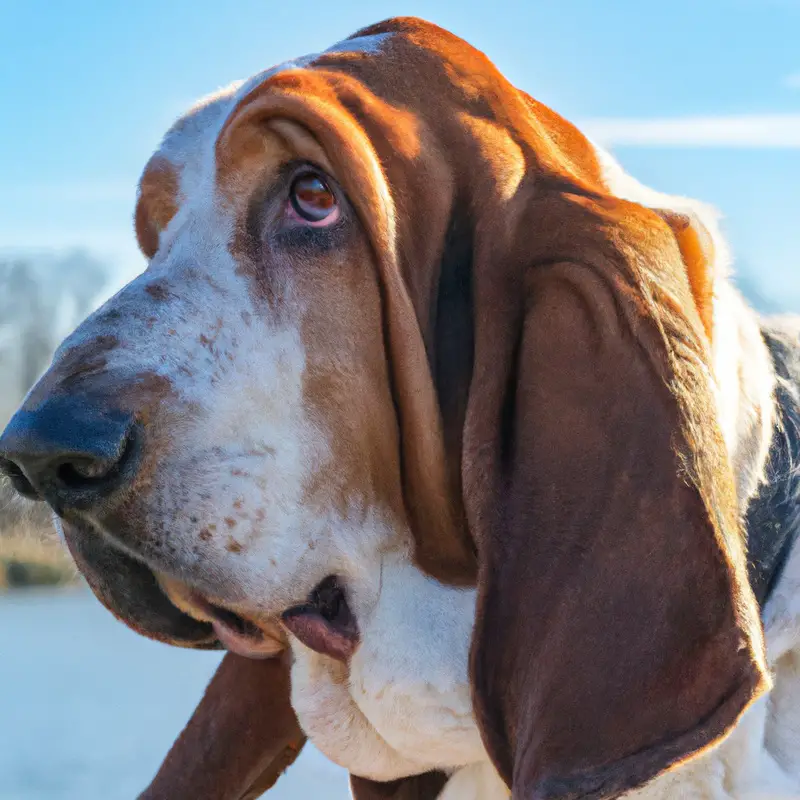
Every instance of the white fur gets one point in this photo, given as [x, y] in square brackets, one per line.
[361, 44]
[407, 684]
[410, 675]
[475, 782]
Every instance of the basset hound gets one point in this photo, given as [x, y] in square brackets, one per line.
[426, 403]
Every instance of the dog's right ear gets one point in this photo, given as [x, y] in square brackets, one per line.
[616, 634]
[240, 739]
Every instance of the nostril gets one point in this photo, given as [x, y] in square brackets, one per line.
[77, 474]
[85, 473]
[18, 480]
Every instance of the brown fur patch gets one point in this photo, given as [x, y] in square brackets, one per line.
[157, 203]
[244, 696]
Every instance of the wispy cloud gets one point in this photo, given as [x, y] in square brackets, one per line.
[746, 130]
[792, 81]
[72, 192]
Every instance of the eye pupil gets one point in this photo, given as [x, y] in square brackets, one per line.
[312, 198]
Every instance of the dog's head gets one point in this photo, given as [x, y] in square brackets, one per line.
[230, 418]
[391, 306]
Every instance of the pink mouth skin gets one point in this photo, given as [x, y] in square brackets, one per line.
[245, 644]
[234, 632]
[325, 623]
[317, 633]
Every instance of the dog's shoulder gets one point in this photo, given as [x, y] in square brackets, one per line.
[773, 516]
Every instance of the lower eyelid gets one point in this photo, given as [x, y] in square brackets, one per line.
[332, 219]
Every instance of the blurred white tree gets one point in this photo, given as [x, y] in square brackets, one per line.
[42, 298]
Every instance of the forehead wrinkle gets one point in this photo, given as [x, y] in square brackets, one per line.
[502, 154]
[302, 141]
[189, 145]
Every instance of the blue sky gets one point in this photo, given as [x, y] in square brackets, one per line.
[697, 97]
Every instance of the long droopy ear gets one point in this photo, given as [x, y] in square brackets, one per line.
[240, 739]
[616, 633]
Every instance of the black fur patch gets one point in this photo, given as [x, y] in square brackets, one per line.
[773, 516]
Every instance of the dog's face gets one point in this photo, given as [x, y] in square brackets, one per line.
[260, 451]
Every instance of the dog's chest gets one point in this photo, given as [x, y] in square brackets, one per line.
[381, 725]
[402, 705]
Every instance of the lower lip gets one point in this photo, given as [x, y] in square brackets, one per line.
[247, 646]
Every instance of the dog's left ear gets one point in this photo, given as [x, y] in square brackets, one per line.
[241, 738]
[616, 633]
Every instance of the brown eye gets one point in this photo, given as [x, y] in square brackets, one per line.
[312, 198]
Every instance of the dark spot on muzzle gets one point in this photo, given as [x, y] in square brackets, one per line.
[158, 290]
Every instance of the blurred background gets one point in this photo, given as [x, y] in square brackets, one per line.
[700, 99]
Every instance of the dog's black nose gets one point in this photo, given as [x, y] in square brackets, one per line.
[72, 451]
